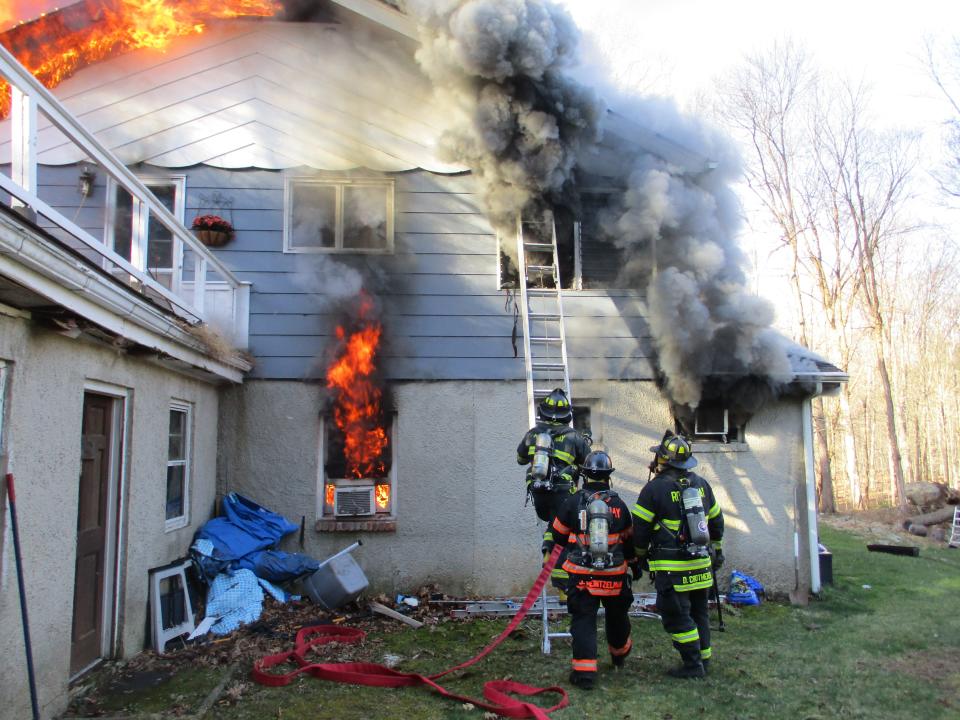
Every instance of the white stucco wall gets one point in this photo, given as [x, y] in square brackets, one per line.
[461, 519]
[48, 374]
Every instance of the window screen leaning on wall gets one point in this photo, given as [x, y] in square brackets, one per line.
[178, 465]
[323, 215]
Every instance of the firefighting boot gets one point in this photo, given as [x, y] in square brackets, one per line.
[688, 672]
[582, 680]
[706, 666]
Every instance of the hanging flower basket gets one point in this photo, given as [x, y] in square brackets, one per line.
[212, 230]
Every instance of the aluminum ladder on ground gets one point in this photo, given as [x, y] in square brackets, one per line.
[544, 338]
[955, 529]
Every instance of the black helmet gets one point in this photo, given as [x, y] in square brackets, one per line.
[674, 450]
[555, 407]
[597, 466]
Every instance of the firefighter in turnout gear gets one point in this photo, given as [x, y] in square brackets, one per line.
[554, 451]
[595, 525]
[678, 531]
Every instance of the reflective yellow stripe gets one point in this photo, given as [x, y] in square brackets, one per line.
[714, 511]
[717, 544]
[686, 637]
[701, 585]
[642, 513]
[705, 653]
[671, 524]
[680, 565]
[565, 456]
[559, 573]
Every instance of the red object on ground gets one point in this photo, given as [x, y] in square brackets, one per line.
[501, 694]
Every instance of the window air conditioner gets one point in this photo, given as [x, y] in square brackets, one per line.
[353, 501]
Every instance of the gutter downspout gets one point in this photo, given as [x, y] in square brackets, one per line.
[811, 488]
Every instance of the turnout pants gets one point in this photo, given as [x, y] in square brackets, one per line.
[583, 608]
[685, 617]
[547, 503]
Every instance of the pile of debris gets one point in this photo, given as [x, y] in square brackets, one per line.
[935, 505]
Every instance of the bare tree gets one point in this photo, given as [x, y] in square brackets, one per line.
[867, 175]
[944, 69]
[766, 103]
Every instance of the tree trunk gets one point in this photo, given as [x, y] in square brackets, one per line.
[849, 450]
[933, 518]
[827, 503]
[897, 494]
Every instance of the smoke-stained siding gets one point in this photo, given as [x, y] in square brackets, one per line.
[445, 318]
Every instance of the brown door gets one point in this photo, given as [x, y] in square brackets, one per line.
[87, 636]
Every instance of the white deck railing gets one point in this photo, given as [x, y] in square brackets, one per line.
[29, 99]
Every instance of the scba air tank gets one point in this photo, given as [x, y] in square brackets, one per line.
[598, 530]
[540, 465]
[696, 518]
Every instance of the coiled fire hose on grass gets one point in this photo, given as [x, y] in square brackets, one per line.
[500, 694]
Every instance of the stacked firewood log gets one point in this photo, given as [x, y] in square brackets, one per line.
[934, 505]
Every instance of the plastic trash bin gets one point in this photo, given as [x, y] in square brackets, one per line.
[336, 583]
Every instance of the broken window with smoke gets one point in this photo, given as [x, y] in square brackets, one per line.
[712, 421]
[158, 247]
[325, 215]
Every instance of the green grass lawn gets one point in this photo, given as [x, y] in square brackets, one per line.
[888, 651]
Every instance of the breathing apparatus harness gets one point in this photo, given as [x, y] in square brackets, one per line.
[594, 519]
[693, 537]
[543, 470]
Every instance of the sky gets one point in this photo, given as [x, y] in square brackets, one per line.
[677, 48]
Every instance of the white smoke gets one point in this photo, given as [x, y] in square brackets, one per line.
[514, 116]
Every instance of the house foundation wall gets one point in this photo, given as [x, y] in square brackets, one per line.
[47, 376]
[461, 521]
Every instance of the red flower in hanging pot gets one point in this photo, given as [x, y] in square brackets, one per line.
[212, 229]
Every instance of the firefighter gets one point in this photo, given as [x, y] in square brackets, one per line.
[595, 524]
[678, 532]
[554, 451]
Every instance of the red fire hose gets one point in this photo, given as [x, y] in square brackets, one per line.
[500, 693]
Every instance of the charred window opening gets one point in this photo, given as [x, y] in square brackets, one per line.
[351, 491]
[581, 419]
[338, 215]
[712, 421]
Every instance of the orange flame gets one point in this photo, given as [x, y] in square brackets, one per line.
[357, 409]
[58, 44]
[383, 496]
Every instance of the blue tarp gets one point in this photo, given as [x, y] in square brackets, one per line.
[243, 539]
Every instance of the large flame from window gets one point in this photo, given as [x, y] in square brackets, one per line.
[56, 45]
[357, 408]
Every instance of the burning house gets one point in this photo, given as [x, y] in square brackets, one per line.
[371, 159]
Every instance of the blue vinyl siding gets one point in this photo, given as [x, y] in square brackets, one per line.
[444, 316]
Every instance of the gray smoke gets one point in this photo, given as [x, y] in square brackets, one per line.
[504, 70]
[515, 118]
[676, 224]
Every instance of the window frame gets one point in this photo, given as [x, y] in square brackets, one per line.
[387, 518]
[186, 462]
[339, 184]
[733, 435]
[179, 182]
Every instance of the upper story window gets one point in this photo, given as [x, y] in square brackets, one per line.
[159, 248]
[178, 465]
[323, 215]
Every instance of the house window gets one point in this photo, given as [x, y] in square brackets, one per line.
[161, 251]
[712, 422]
[347, 500]
[178, 465]
[581, 420]
[338, 216]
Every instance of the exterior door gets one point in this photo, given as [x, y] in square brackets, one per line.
[92, 522]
